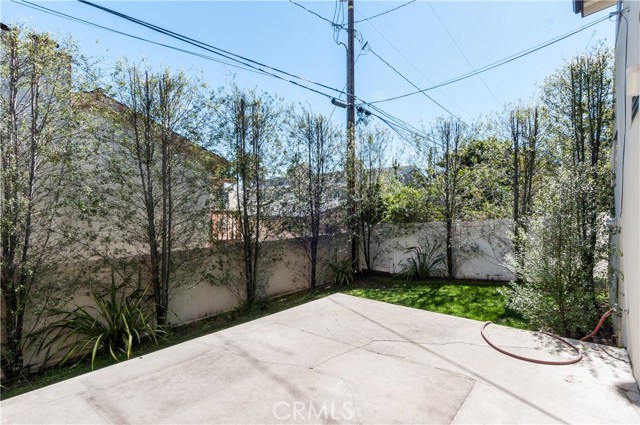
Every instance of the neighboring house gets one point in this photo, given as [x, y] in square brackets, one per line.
[625, 259]
[104, 112]
[282, 203]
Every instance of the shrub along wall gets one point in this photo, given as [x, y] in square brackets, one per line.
[212, 288]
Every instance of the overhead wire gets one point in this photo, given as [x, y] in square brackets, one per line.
[337, 15]
[364, 44]
[498, 63]
[333, 24]
[62, 15]
[466, 58]
[393, 46]
[396, 124]
[213, 49]
[384, 13]
[415, 86]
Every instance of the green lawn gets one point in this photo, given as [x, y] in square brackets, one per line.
[473, 300]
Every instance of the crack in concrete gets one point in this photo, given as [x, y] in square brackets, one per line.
[338, 355]
[318, 335]
[353, 396]
[466, 397]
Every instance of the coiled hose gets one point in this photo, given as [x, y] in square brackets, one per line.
[573, 360]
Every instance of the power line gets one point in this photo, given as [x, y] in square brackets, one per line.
[414, 85]
[341, 25]
[396, 121]
[396, 124]
[499, 62]
[411, 63]
[364, 44]
[248, 67]
[484, 83]
[333, 24]
[59, 14]
[384, 13]
[213, 49]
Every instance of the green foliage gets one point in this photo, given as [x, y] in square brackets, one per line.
[251, 126]
[556, 292]
[372, 146]
[423, 261]
[469, 300]
[340, 272]
[115, 325]
[39, 155]
[561, 285]
[484, 184]
[312, 185]
[405, 204]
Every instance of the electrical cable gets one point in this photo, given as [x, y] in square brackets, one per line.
[333, 24]
[415, 86]
[361, 40]
[384, 13]
[396, 122]
[249, 66]
[341, 25]
[381, 34]
[500, 62]
[205, 46]
[466, 58]
[398, 126]
[56, 13]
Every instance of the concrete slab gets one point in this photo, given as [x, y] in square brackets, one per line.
[343, 359]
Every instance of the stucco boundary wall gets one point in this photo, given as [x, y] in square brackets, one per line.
[481, 248]
[284, 270]
[480, 252]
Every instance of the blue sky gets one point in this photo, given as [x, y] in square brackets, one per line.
[412, 39]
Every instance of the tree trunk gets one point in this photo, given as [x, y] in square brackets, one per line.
[450, 268]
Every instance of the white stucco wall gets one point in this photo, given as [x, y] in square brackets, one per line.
[481, 247]
[627, 186]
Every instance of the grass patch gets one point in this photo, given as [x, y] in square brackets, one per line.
[472, 300]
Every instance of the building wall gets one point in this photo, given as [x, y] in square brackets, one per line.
[626, 282]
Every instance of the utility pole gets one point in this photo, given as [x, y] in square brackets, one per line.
[351, 142]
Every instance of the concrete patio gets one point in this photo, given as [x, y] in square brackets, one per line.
[343, 359]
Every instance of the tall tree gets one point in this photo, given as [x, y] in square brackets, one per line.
[313, 178]
[153, 180]
[38, 150]
[369, 179]
[525, 131]
[552, 292]
[579, 97]
[446, 140]
[250, 128]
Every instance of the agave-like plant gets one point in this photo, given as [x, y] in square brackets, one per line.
[340, 272]
[423, 260]
[116, 324]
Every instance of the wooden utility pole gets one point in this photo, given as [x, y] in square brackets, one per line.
[351, 141]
